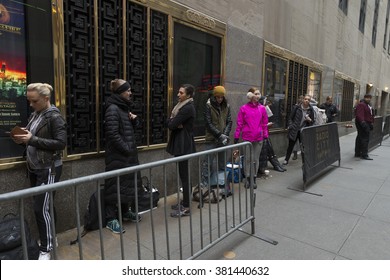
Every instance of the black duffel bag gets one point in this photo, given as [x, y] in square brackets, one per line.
[11, 240]
[144, 204]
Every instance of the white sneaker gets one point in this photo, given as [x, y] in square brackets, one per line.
[44, 256]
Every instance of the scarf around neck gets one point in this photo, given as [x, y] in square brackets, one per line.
[179, 105]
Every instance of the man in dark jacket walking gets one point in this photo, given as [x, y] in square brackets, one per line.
[331, 110]
[364, 120]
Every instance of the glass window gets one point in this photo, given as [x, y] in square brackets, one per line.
[344, 94]
[275, 80]
[343, 5]
[314, 85]
[386, 24]
[197, 61]
[375, 23]
[362, 16]
[338, 95]
[357, 95]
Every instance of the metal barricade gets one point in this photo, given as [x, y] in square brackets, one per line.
[158, 235]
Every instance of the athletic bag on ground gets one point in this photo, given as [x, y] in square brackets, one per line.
[91, 215]
[11, 240]
[144, 201]
[205, 195]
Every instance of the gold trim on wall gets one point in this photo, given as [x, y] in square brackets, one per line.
[339, 75]
[283, 53]
[179, 11]
[97, 78]
[148, 79]
[59, 57]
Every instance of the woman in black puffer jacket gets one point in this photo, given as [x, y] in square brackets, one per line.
[120, 152]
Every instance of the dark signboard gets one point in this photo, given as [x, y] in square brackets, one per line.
[386, 127]
[376, 135]
[320, 148]
[13, 103]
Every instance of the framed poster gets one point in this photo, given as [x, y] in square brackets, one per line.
[13, 73]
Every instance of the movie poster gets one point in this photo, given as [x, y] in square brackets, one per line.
[13, 103]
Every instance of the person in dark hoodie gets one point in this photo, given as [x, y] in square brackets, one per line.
[120, 152]
[45, 138]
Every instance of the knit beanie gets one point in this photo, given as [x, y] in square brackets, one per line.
[219, 91]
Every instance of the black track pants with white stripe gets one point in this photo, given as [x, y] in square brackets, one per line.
[40, 177]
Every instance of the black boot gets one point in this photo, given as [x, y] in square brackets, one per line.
[261, 172]
[276, 164]
[248, 183]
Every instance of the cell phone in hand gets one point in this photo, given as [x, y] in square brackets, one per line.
[17, 130]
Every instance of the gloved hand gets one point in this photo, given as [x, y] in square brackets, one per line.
[371, 126]
[365, 126]
[223, 139]
[236, 140]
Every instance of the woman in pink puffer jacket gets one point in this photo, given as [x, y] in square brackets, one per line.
[252, 123]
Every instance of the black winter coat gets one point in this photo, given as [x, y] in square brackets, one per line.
[181, 141]
[295, 121]
[121, 149]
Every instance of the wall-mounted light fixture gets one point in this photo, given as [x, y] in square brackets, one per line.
[370, 84]
[386, 88]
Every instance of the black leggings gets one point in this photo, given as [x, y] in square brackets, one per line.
[291, 144]
[184, 178]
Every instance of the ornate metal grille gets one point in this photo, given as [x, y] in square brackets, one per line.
[158, 77]
[79, 75]
[136, 64]
[110, 53]
[81, 65]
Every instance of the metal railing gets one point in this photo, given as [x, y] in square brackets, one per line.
[160, 236]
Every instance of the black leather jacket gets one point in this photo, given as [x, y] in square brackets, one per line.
[50, 137]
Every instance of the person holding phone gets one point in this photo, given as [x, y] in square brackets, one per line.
[45, 138]
[302, 115]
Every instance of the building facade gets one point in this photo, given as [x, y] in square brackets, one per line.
[286, 48]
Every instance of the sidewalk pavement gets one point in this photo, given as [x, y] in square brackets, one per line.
[347, 217]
